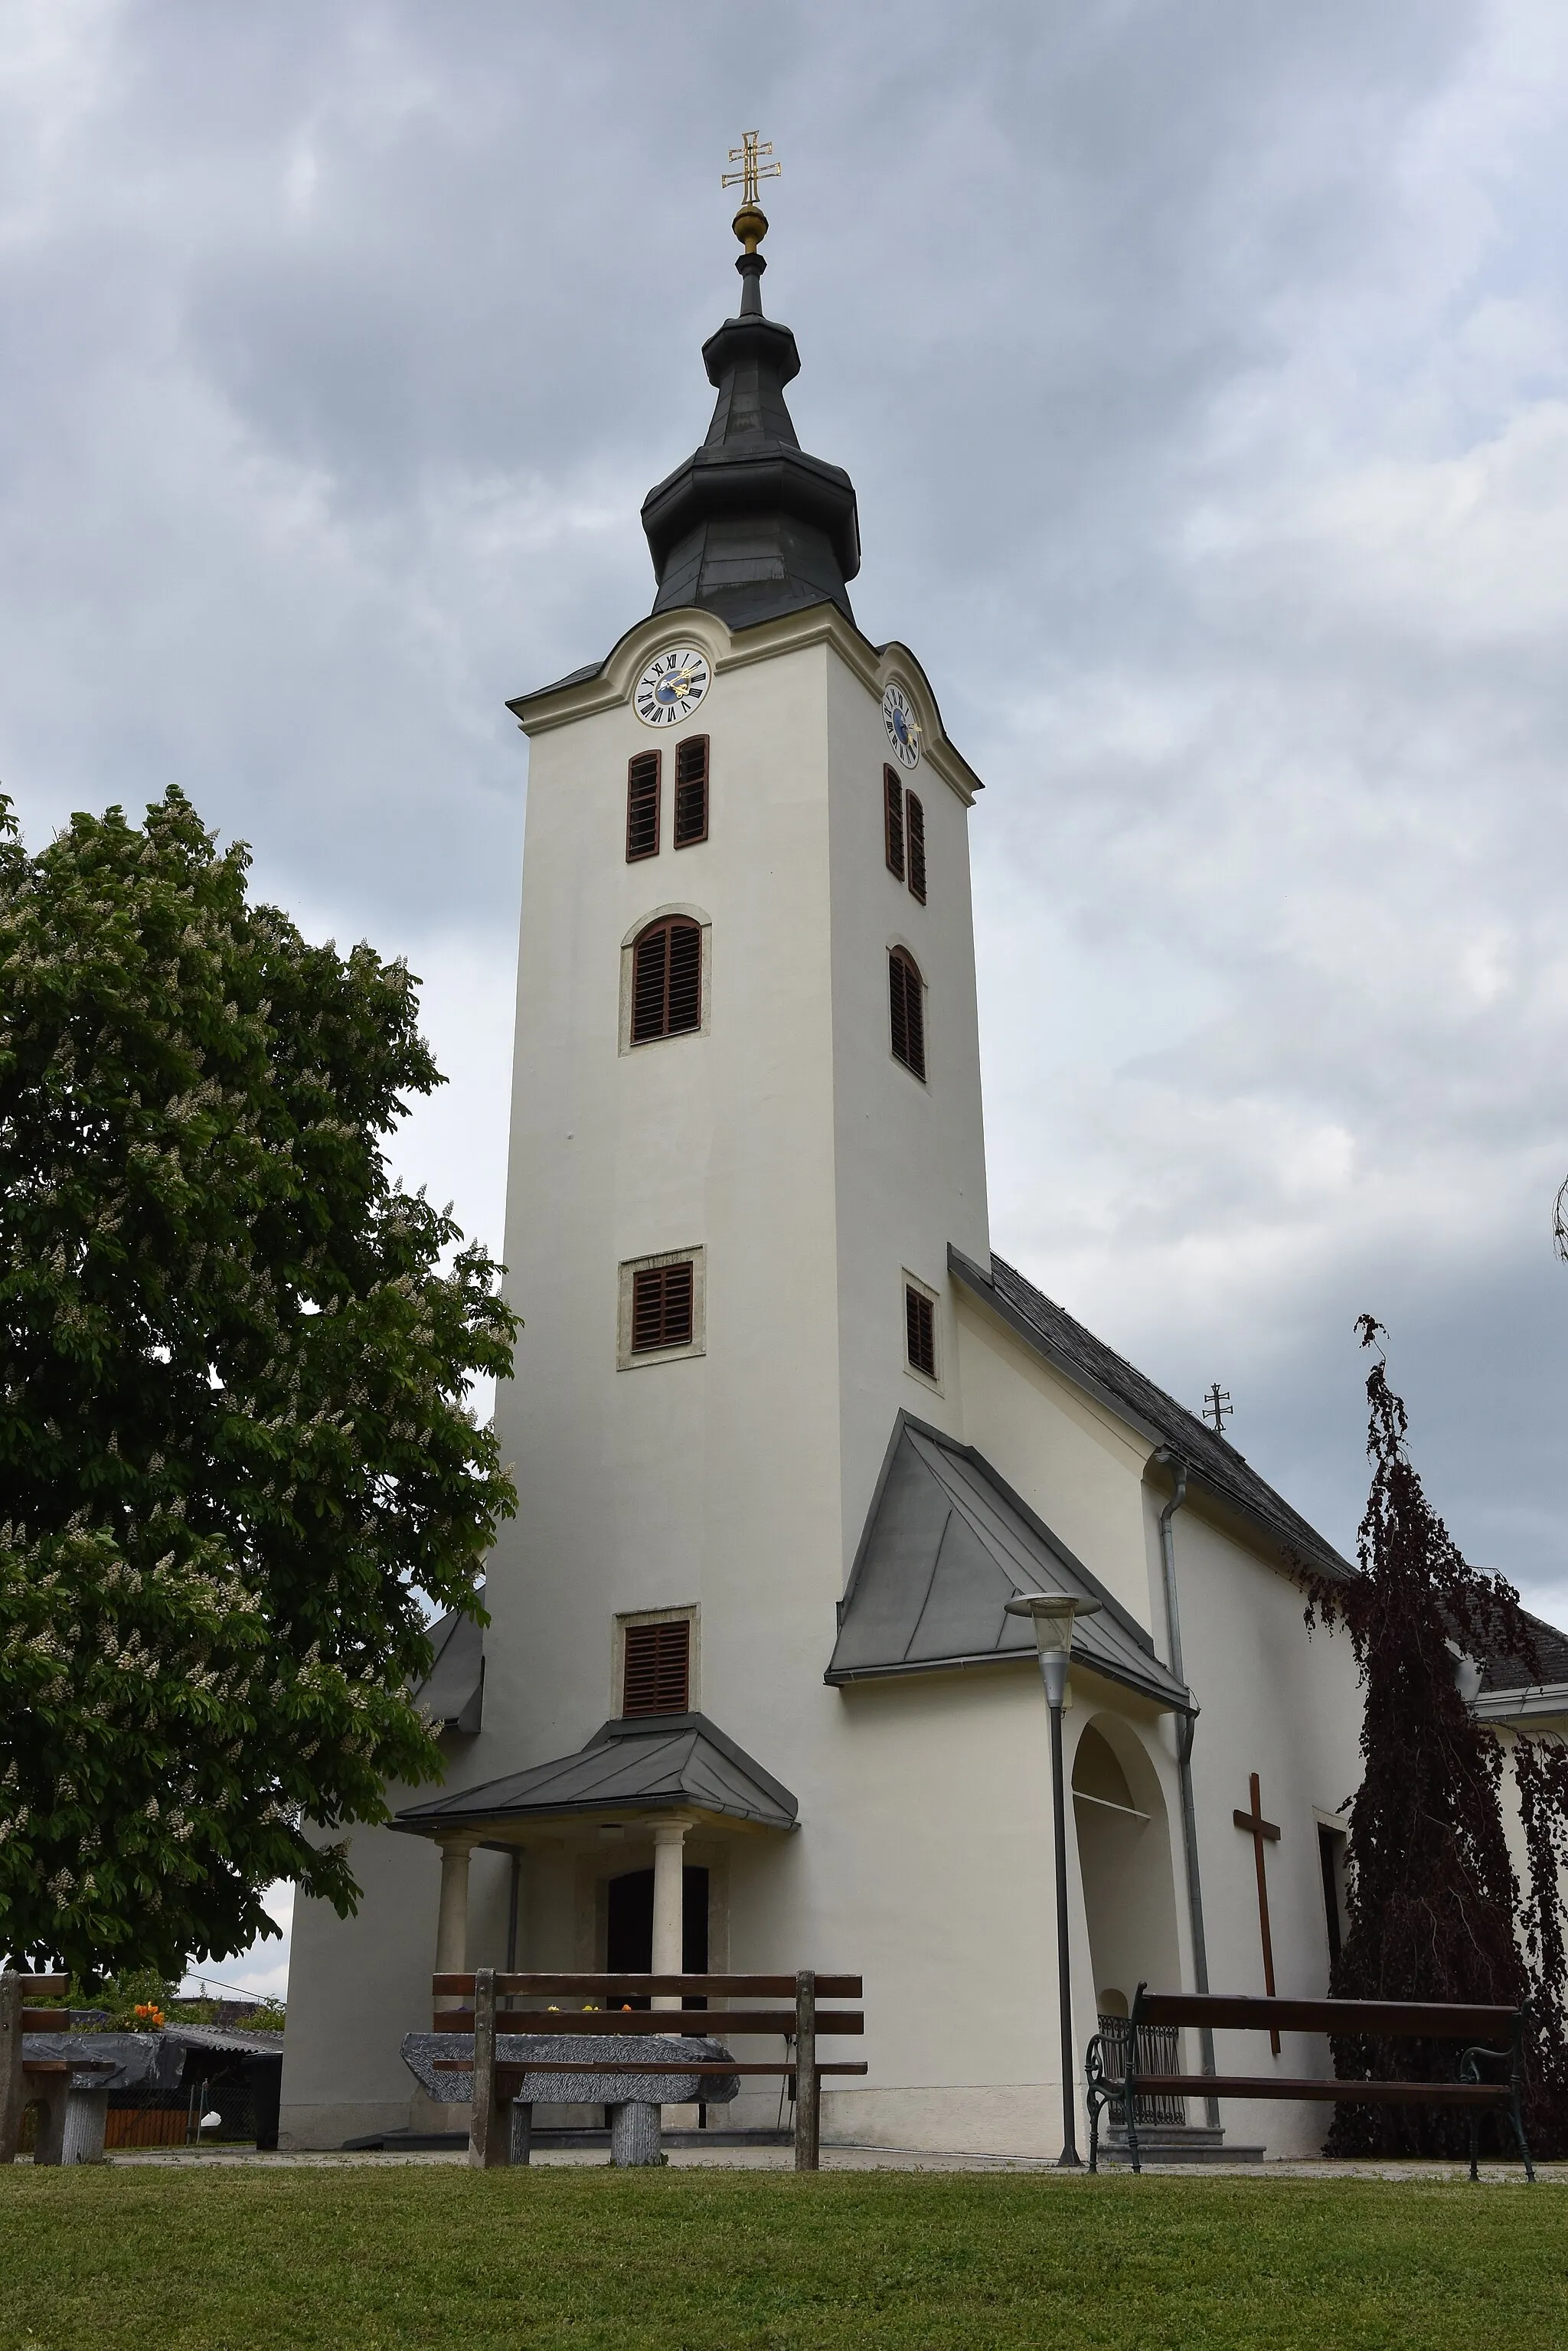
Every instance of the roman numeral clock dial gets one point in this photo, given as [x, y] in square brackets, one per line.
[672, 686]
[902, 726]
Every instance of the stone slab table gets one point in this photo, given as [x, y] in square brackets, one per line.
[634, 2099]
[75, 2107]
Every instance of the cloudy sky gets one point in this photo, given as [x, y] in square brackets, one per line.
[1203, 372]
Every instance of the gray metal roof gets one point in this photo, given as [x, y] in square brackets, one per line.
[649, 1764]
[454, 1688]
[1100, 1372]
[750, 527]
[947, 1545]
[227, 2040]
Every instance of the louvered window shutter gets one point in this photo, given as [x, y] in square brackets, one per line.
[691, 792]
[658, 1673]
[667, 981]
[642, 807]
[662, 1307]
[920, 1321]
[914, 824]
[893, 820]
[906, 1011]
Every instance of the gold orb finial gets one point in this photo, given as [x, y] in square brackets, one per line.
[750, 226]
[751, 222]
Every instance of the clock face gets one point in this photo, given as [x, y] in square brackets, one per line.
[902, 726]
[672, 686]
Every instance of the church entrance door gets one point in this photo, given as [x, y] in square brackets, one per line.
[629, 1939]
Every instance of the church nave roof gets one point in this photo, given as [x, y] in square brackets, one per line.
[1096, 1368]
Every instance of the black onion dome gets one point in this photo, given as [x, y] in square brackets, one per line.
[750, 527]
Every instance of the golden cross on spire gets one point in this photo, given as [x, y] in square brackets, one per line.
[749, 155]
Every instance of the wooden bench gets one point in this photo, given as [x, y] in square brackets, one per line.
[45, 2082]
[495, 2081]
[1377, 2019]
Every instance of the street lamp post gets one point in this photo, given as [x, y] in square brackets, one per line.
[1052, 1613]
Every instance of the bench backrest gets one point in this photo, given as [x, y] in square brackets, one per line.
[1375, 2018]
[599, 1999]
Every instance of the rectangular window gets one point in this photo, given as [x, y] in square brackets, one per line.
[893, 821]
[657, 1674]
[662, 1307]
[920, 1326]
[906, 1012]
[1331, 1862]
[914, 824]
[691, 792]
[643, 805]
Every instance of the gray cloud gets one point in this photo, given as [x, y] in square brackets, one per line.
[1202, 372]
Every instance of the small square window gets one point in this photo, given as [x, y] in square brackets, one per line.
[656, 1662]
[661, 1309]
[920, 1329]
[656, 1670]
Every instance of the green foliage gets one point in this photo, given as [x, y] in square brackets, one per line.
[233, 1441]
[119, 1996]
[338, 2259]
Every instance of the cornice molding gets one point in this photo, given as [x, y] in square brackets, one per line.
[876, 667]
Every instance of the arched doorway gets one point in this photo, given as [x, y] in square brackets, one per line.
[629, 1923]
[1125, 1856]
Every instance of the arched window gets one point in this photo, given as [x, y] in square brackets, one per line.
[906, 1010]
[667, 981]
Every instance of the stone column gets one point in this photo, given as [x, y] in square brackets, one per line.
[452, 1920]
[669, 1908]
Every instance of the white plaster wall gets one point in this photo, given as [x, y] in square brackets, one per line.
[1288, 1708]
[910, 1156]
[713, 1479]
[1072, 1461]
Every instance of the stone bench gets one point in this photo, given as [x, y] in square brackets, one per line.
[578, 2069]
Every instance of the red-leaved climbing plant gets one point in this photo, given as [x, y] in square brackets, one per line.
[1444, 1904]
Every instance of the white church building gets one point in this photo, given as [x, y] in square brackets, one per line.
[788, 1436]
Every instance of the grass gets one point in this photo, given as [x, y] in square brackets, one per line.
[709, 2261]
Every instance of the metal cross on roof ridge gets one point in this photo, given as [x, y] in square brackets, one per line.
[748, 156]
[1217, 1408]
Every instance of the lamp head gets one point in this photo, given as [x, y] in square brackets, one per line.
[1052, 1615]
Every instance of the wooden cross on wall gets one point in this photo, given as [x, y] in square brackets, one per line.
[1261, 1832]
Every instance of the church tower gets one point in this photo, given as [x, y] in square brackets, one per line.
[746, 1118]
[791, 1446]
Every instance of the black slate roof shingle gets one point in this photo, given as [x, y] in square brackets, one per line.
[1500, 1671]
[1098, 1369]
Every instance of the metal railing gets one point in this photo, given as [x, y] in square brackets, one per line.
[1159, 2052]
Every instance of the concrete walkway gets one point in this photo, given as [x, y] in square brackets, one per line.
[834, 2158]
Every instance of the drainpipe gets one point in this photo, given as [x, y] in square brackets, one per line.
[1183, 1766]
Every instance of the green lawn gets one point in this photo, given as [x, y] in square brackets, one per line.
[707, 2260]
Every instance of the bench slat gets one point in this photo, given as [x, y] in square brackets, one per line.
[44, 1985]
[1420, 2020]
[693, 2022]
[636, 1987]
[1359, 2094]
[615, 2065]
